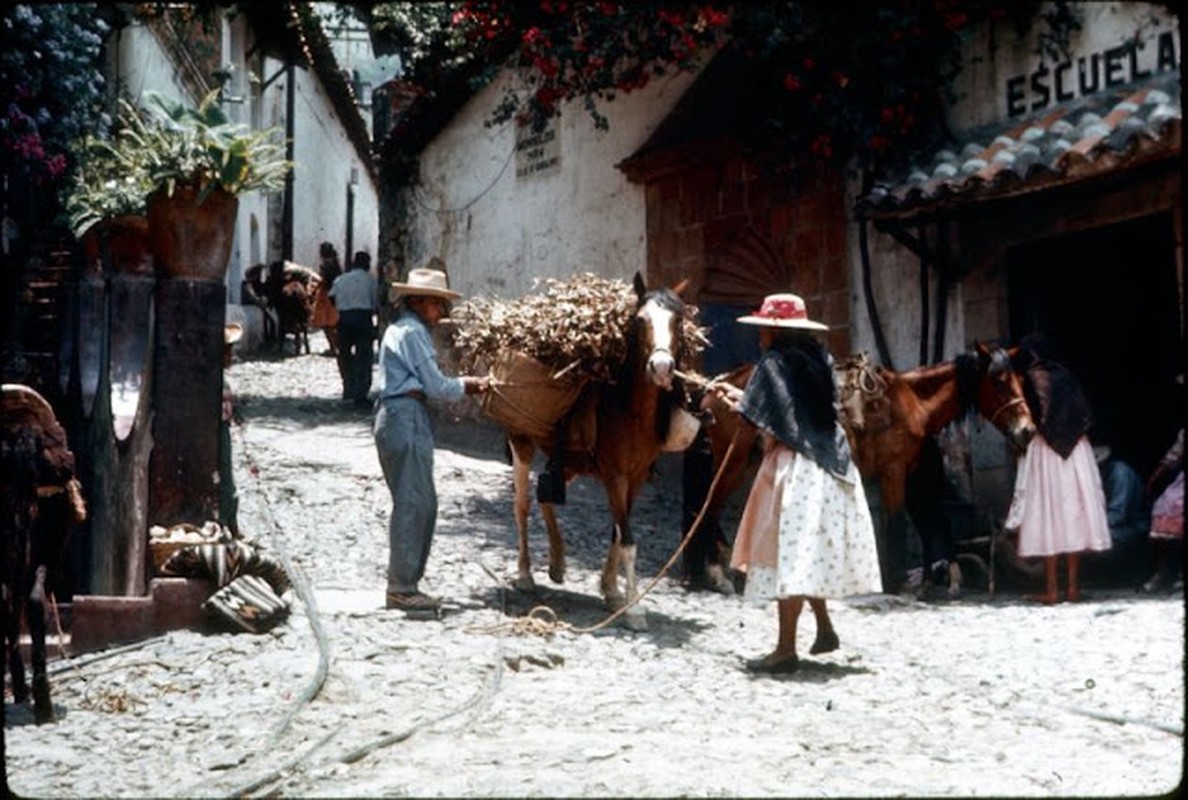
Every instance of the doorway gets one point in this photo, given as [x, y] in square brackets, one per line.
[1108, 299]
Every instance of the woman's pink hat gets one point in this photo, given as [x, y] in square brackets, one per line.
[783, 311]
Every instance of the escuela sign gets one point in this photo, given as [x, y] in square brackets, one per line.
[1133, 60]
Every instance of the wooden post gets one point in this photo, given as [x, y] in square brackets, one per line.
[122, 440]
[187, 401]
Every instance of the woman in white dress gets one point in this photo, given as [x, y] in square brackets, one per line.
[806, 531]
[1059, 506]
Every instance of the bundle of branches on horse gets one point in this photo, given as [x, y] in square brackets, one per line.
[892, 420]
[586, 372]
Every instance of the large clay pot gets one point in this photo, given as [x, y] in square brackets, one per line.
[118, 245]
[191, 239]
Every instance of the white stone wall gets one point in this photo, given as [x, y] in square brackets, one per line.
[324, 156]
[1012, 79]
[325, 159]
[994, 82]
[497, 230]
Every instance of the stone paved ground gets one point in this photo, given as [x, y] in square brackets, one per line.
[976, 697]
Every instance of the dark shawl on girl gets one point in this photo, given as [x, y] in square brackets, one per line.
[1054, 395]
[790, 397]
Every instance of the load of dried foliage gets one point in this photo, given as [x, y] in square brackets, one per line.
[577, 326]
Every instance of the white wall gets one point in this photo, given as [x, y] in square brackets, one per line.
[985, 90]
[497, 231]
[1010, 77]
[324, 159]
[323, 154]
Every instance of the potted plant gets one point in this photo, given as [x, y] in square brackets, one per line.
[199, 162]
[105, 202]
[183, 168]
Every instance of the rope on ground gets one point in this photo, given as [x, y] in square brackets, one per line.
[543, 621]
[301, 587]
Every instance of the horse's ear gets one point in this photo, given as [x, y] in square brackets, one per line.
[640, 287]
[679, 289]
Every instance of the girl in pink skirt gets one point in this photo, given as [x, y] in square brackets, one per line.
[1059, 506]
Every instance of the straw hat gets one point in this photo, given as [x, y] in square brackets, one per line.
[427, 282]
[232, 333]
[783, 311]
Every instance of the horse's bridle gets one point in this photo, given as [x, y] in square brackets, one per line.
[1008, 404]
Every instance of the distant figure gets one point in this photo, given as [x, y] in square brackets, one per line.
[355, 294]
[1128, 515]
[325, 315]
[228, 494]
[1059, 506]
[1166, 485]
[806, 532]
[254, 292]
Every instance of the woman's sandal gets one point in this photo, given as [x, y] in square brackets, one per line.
[773, 665]
[825, 643]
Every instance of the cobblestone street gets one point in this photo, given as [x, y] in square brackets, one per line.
[974, 697]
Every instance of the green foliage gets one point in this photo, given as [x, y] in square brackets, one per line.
[51, 84]
[104, 185]
[166, 145]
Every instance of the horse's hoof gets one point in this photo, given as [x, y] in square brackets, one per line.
[557, 573]
[636, 620]
[716, 580]
[615, 601]
[524, 584]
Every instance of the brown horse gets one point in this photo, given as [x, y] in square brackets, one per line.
[614, 432]
[890, 417]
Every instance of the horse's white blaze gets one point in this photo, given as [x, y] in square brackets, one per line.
[661, 362]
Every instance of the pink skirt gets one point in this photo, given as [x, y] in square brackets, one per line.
[1167, 515]
[804, 531]
[1059, 505]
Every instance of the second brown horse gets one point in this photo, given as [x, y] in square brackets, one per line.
[890, 417]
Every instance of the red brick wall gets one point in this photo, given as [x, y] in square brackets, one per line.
[693, 210]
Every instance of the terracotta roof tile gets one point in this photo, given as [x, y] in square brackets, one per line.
[1106, 130]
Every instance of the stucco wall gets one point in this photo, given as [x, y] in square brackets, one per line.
[497, 231]
[324, 159]
[323, 154]
[1011, 79]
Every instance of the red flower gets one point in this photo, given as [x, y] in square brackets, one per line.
[809, 63]
[791, 82]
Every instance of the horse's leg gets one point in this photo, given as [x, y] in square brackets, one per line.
[43, 709]
[634, 617]
[556, 543]
[12, 640]
[622, 551]
[521, 461]
[616, 497]
[610, 573]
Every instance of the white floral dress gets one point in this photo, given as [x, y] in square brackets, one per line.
[805, 531]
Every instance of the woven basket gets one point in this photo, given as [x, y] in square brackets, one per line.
[525, 397]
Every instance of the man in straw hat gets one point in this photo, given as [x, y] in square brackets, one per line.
[806, 531]
[408, 376]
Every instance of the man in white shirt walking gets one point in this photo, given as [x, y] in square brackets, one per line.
[355, 294]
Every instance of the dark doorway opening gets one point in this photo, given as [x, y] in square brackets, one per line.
[1108, 299]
